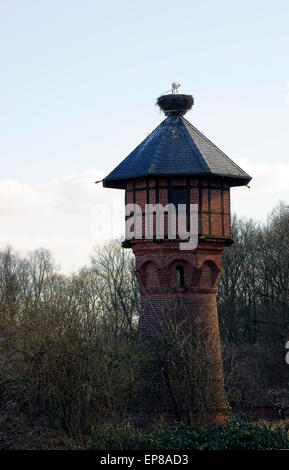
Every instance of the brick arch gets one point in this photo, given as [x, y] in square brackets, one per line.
[210, 273]
[169, 260]
[148, 274]
[147, 259]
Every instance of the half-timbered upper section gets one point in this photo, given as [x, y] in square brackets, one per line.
[212, 197]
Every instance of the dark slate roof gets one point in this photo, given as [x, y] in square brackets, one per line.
[176, 148]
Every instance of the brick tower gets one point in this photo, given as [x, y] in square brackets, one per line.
[178, 165]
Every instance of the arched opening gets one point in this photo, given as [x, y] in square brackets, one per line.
[210, 272]
[149, 275]
[180, 277]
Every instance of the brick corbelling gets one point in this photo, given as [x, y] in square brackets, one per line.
[168, 251]
[183, 291]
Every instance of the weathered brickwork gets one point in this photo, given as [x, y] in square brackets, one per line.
[191, 299]
[193, 306]
[183, 283]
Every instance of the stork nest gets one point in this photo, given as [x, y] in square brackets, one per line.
[175, 104]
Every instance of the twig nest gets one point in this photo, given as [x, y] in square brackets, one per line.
[175, 104]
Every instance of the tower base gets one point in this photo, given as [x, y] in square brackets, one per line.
[183, 374]
[199, 418]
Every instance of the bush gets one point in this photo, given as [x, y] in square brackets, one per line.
[232, 436]
[69, 344]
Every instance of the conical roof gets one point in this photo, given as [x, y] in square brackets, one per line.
[176, 148]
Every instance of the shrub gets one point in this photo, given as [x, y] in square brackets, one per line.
[232, 436]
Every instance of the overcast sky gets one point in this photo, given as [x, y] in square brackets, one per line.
[78, 85]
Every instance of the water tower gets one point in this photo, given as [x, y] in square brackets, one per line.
[176, 165]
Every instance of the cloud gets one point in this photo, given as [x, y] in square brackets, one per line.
[267, 177]
[69, 254]
[73, 194]
[67, 215]
[19, 199]
[268, 186]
